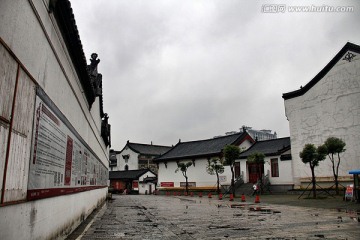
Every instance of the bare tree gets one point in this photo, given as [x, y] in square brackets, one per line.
[183, 167]
[231, 153]
[215, 167]
[312, 155]
[335, 146]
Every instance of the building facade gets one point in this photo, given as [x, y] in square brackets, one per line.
[327, 106]
[54, 135]
[277, 167]
[199, 153]
[141, 181]
[136, 156]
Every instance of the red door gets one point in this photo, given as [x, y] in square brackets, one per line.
[255, 172]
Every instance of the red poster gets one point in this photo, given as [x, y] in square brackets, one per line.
[135, 184]
[68, 161]
[167, 184]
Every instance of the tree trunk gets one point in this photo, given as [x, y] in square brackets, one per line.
[232, 181]
[313, 180]
[336, 184]
[336, 175]
[260, 178]
[218, 183]
[186, 185]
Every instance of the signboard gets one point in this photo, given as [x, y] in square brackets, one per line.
[190, 184]
[167, 184]
[61, 161]
[349, 193]
[135, 185]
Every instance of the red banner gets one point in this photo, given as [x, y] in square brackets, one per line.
[167, 184]
[68, 161]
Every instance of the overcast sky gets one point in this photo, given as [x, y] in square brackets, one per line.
[194, 69]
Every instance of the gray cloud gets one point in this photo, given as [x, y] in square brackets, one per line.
[196, 69]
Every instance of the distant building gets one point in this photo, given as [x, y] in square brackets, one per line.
[136, 156]
[199, 153]
[259, 135]
[327, 106]
[142, 181]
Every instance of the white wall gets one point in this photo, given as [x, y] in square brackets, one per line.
[196, 174]
[51, 218]
[144, 188]
[285, 171]
[330, 108]
[133, 161]
[53, 71]
[28, 41]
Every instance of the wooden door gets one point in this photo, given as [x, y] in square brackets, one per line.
[255, 172]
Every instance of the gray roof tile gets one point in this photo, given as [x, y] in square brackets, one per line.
[130, 174]
[208, 147]
[269, 147]
[147, 149]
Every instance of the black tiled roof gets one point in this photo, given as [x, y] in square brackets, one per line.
[147, 149]
[348, 47]
[208, 147]
[66, 21]
[269, 147]
[130, 174]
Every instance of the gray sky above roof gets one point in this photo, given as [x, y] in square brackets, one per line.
[197, 69]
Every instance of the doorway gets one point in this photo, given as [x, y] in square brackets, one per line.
[255, 171]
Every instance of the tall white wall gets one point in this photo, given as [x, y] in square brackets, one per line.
[49, 64]
[26, 38]
[330, 108]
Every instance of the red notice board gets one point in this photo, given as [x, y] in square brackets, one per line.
[167, 184]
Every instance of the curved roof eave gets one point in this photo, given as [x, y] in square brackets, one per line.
[348, 47]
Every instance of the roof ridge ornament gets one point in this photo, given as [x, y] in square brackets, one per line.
[349, 56]
[95, 77]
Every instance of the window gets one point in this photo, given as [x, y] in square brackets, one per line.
[126, 167]
[274, 167]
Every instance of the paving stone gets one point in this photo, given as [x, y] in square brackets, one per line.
[164, 217]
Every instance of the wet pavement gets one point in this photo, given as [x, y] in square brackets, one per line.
[180, 217]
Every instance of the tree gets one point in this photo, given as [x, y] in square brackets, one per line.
[335, 146]
[183, 167]
[215, 166]
[259, 159]
[231, 153]
[313, 155]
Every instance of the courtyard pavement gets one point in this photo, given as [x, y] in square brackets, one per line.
[180, 217]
